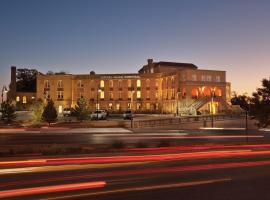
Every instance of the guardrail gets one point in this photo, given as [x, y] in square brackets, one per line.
[180, 120]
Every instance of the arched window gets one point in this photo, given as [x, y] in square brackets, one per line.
[207, 92]
[218, 92]
[194, 93]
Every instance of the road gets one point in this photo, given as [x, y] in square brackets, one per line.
[86, 136]
[239, 172]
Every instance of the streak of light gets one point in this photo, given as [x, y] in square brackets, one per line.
[138, 158]
[49, 189]
[142, 188]
[198, 147]
[218, 128]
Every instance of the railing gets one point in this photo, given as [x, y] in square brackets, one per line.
[180, 120]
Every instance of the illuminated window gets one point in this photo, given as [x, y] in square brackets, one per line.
[111, 83]
[110, 106]
[138, 94]
[156, 94]
[60, 95]
[156, 83]
[17, 98]
[138, 83]
[97, 106]
[208, 78]
[139, 105]
[148, 106]
[60, 84]
[102, 94]
[47, 95]
[60, 109]
[156, 106]
[217, 78]
[129, 94]
[102, 84]
[152, 70]
[118, 106]
[24, 99]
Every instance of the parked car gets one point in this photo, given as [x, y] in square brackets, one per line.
[128, 114]
[67, 112]
[99, 114]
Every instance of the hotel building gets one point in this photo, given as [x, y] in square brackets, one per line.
[158, 87]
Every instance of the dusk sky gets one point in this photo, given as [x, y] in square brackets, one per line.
[117, 36]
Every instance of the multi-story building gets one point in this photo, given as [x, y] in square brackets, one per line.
[158, 87]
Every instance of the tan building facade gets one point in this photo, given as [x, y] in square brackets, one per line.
[158, 87]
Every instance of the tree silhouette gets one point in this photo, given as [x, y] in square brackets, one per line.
[49, 113]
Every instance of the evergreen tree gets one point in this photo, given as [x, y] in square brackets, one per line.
[81, 110]
[260, 104]
[8, 111]
[37, 110]
[49, 113]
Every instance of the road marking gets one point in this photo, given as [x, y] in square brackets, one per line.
[145, 188]
[49, 189]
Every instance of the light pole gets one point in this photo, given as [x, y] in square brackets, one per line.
[4, 91]
[177, 99]
[97, 106]
[247, 112]
[212, 108]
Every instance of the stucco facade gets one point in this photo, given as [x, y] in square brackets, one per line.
[158, 87]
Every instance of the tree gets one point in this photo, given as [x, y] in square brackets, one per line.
[8, 111]
[241, 100]
[37, 110]
[26, 80]
[260, 104]
[49, 113]
[81, 109]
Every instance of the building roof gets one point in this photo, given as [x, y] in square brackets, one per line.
[175, 64]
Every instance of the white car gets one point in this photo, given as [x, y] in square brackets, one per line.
[99, 114]
[67, 112]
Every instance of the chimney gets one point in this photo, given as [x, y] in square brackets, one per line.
[12, 86]
[149, 61]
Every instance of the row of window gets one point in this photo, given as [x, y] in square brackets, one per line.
[207, 78]
[118, 106]
[101, 84]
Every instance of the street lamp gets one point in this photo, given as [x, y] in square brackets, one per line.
[97, 106]
[247, 112]
[4, 91]
[177, 99]
[212, 107]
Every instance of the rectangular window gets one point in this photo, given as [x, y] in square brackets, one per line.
[203, 77]
[110, 106]
[118, 106]
[209, 78]
[111, 83]
[194, 77]
[101, 94]
[60, 84]
[139, 106]
[138, 83]
[173, 94]
[120, 84]
[60, 95]
[147, 94]
[156, 94]
[47, 84]
[217, 78]
[120, 94]
[148, 106]
[79, 84]
[111, 95]
[138, 94]
[47, 95]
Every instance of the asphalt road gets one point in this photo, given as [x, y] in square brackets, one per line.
[221, 174]
[79, 136]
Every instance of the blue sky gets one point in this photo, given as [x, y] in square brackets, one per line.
[111, 36]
